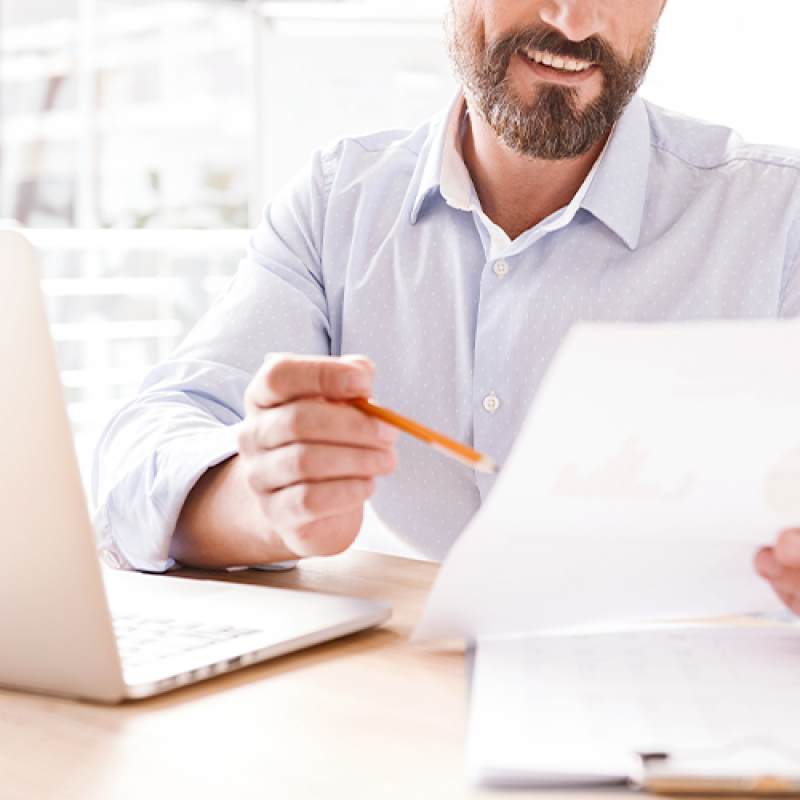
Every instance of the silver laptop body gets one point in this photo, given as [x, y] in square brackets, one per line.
[56, 603]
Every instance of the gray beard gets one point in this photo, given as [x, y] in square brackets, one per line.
[552, 127]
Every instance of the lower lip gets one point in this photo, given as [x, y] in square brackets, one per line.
[556, 75]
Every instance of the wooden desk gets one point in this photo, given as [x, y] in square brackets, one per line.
[371, 716]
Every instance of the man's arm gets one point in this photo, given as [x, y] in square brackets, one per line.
[305, 467]
[185, 421]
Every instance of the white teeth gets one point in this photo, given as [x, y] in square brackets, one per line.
[556, 62]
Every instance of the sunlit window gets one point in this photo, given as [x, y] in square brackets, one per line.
[139, 140]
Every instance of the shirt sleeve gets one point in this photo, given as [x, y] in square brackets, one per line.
[185, 417]
[790, 292]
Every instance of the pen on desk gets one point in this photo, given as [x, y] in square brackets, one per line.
[460, 452]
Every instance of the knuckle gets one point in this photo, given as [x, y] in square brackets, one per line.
[295, 421]
[374, 430]
[364, 490]
[382, 461]
[330, 377]
[362, 428]
[305, 534]
[264, 387]
[273, 375]
[307, 499]
[351, 493]
[303, 459]
[355, 492]
[288, 463]
[244, 438]
[254, 435]
[252, 476]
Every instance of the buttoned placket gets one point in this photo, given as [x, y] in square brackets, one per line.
[459, 192]
[500, 268]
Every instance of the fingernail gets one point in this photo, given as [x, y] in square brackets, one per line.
[768, 566]
[387, 433]
[355, 383]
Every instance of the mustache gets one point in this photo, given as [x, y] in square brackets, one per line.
[594, 49]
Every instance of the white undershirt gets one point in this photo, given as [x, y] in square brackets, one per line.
[459, 193]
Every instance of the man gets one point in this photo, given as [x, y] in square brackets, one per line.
[441, 270]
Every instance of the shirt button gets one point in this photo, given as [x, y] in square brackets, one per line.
[111, 558]
[491, 403]
[500, 269]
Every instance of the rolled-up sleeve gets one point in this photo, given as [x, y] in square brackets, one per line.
[185, 417]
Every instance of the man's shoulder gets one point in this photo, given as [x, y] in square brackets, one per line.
[703, 145]
[396, 143]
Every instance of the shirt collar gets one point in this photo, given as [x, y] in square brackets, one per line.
[614, 192]
[617, 194]
[455, 182]
[441, 142]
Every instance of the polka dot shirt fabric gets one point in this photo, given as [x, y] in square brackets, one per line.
[361, 253]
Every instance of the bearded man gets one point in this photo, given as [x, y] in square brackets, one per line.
[439, 270]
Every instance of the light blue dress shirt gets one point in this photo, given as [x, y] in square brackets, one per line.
[361, 253]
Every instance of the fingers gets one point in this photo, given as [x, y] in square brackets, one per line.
[785, 582]
[308, 460]
[283, 378]
[326, 537]
[780, 565]
[319, 519]
[787, 549]
[301, 463]
[314, 421]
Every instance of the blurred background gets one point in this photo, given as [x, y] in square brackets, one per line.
[139, 140]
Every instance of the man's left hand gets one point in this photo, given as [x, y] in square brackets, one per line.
[780, 565]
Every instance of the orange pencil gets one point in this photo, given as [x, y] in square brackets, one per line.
[466, 455]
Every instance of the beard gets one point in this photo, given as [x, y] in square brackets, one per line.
[553, 126]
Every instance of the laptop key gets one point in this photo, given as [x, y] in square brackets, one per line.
[145, 639]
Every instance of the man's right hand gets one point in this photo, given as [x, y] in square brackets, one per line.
[311, 460]
[307, 463]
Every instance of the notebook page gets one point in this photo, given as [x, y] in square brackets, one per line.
[575, 709]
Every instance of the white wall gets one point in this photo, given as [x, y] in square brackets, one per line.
[734, 62]
[727, 61]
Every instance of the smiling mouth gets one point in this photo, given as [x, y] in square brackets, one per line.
[558, 63]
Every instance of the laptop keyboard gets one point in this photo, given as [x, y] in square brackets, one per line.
[142, 640]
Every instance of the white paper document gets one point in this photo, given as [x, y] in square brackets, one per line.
[558, 710]
[654, 463]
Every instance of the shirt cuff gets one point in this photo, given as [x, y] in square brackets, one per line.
[135, 522]
[278, 566]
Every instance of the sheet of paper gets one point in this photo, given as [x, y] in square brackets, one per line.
[575, 709]
[655, 462]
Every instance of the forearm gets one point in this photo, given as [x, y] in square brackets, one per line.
[221, 523]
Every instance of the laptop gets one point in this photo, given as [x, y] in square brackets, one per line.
[69, 627]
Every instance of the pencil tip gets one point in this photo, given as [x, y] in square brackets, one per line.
[487, 465]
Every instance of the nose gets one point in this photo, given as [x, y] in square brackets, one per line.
[576, 19]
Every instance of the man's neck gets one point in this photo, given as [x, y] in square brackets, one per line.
[517, 192]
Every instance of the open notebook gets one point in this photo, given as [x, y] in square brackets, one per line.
[716, 703]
